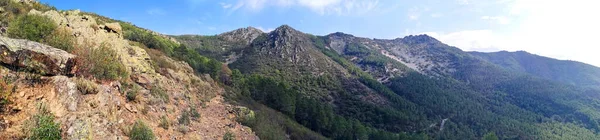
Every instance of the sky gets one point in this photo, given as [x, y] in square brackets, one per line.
[562, 29]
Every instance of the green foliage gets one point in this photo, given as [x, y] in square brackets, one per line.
[490, 136]
[170, 48]
[43, 126]
[164, 123]
[31, 27]
[200, 63]
[141, 131]
[184, 119]
[132, 93]
[86, 86]
[229, 136]
[147, 38]
[60, 38]
[159, 93]
[314, 114]
[106, 64]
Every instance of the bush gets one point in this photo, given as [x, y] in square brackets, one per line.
[86, 86]
[141, 131]
[164, 123]
[185, 118]
[61, 38]
[31, 27]
[43, 127]
[229, 136]
[160, 93]
[132, 94]
[102, 63]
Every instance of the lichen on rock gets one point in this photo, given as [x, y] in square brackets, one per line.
[35, 57]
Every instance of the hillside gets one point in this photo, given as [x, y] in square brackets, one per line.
[569, 72]
[76, 75]
[425, 86]
[79, 75]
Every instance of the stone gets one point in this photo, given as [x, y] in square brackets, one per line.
[113, 27]
[67, 91]
[142, 79]
[36, 57]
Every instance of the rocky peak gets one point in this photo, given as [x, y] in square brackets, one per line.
[246, 35]
[285, 31]
[419, 39]
[340, 34]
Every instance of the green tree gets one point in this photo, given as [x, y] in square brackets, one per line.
[490, 136]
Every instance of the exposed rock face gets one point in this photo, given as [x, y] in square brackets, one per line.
[90, 34]
[246, 35]
[36, 57]
[113, 27]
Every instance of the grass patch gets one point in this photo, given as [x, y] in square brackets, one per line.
[86, 86]
[159, 93]
[164, 123]
[132, 94]
[41, 126]
[141, 131]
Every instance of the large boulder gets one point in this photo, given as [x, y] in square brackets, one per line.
[35, 57]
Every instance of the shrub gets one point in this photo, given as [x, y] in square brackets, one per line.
[185, 118]
[132, 94]
[102, 63]
[61, 38]
[160, 93]
[141, 131]
[194, 113]
[31, 27]
[43, 127]
[86, 86]
[159, 61]
[229, 136]
[164, 123]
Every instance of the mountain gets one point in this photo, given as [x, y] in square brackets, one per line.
[78, 75]
[569, 72]
[434, 89]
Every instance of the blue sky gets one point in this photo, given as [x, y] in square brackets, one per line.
[555, 28]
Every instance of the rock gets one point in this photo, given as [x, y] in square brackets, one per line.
[67, 92]
[1, 10]
[243, 113]
[130, 108]
[3, 29]
[36, 57]
[113, 27]
[142, 79]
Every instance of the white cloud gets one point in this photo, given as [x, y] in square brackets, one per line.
[498, 19]
[225, 5]
[323, 7]
[156, 12]
[559, 29]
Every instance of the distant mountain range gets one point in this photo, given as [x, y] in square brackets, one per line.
[415, 86]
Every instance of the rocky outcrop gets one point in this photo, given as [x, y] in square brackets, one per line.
[245, 35]
[113, 27]
[35, 57]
